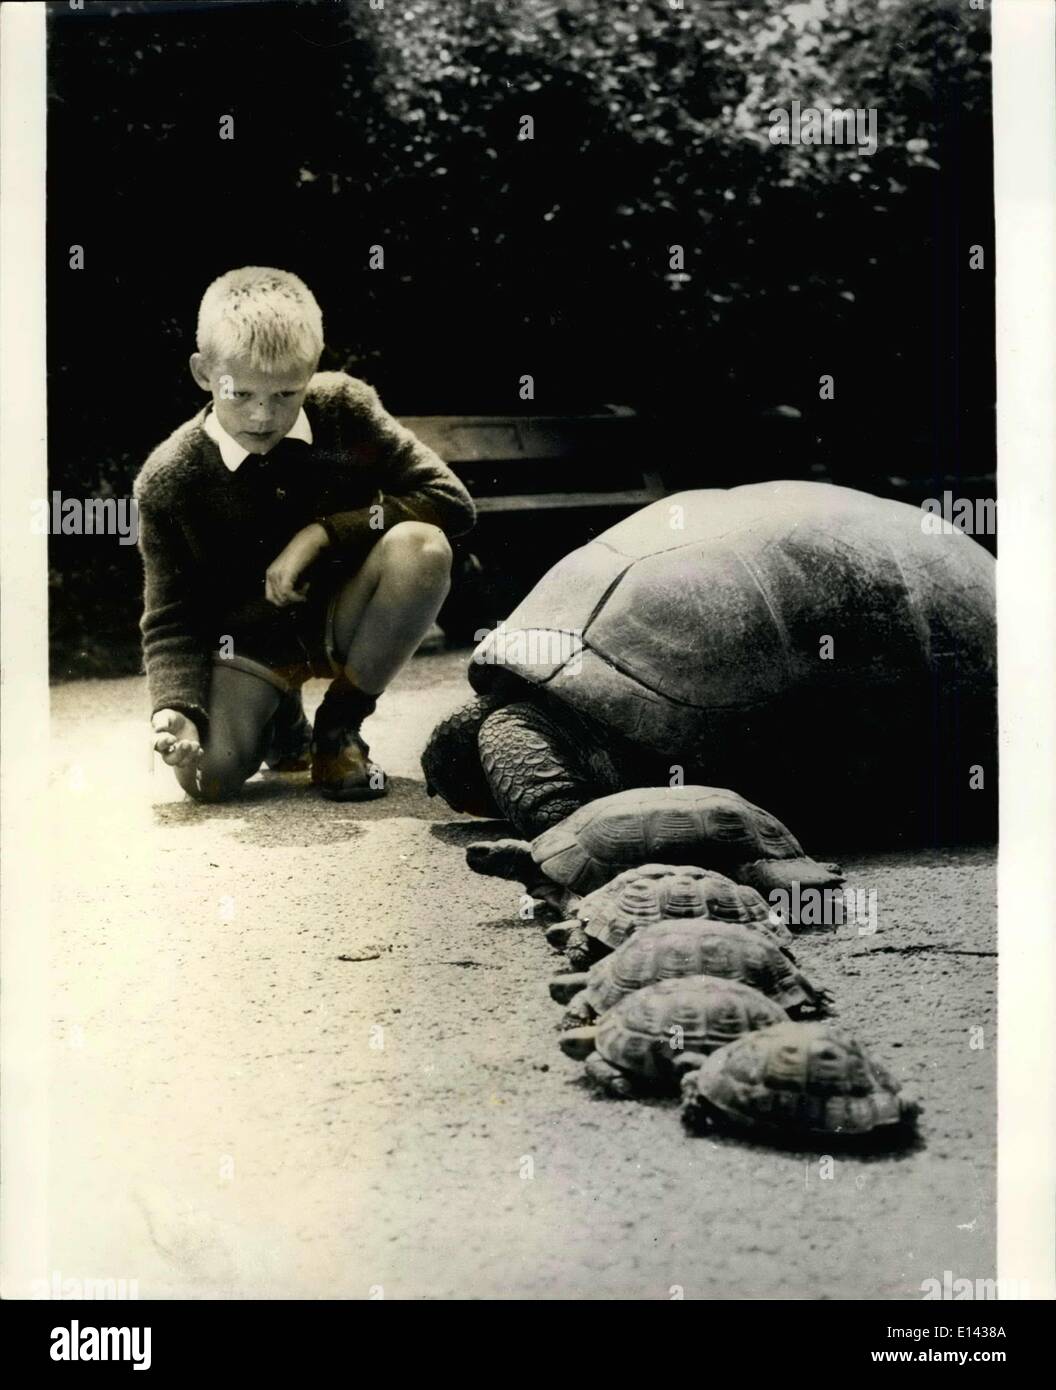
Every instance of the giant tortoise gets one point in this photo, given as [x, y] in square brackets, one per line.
[813, 646]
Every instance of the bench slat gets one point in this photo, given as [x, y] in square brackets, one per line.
[508, 439]
[550, 501]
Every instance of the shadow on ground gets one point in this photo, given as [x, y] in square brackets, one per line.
[279, 810]
[463, 833]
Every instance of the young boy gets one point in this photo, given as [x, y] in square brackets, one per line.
[291, 529]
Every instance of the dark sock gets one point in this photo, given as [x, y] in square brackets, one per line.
[350, 704]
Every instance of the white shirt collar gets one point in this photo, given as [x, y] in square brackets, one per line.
[232, 452]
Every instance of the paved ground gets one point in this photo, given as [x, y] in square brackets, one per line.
[300, 1050]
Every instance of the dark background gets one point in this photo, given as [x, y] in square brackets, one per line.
[355, 127]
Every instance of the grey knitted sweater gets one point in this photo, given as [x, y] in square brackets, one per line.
[207, 535]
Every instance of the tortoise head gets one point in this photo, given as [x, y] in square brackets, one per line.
[513, 859]
[578, 1043]
[451, 760]
[502, 859]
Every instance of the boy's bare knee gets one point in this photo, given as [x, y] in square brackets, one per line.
[419, 542]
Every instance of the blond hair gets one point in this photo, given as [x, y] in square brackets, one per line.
[269, 316]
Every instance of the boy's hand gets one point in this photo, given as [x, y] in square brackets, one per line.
[177, 738]
[282, 581]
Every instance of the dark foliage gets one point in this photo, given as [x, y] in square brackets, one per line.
[398, 127]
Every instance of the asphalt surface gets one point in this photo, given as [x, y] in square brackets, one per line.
[300, 1050]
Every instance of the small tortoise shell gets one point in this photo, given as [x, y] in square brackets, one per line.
[644, 823]
[674, 950]
[651, 893]
[802, 1077]
[646, 1032]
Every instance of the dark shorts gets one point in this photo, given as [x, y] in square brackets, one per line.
[284, 646]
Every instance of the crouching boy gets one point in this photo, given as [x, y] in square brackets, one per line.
[291, 529]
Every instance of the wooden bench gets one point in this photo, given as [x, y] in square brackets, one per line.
[495, 455]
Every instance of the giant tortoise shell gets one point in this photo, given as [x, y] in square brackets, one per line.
[709, 602]
[796, 1080]
[673, 950]
[642, 896]
[657, 1033]
[795, 639]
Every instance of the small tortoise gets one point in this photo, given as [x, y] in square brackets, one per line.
[673, 950]
[709, 826]
[797, 1080]
[649, 894]
[657, 1033]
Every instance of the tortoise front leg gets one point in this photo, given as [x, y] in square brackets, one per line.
[542, 766]
[573, 940]
[451, 759]
[578, 1014]
[581, 950]
[559, 933]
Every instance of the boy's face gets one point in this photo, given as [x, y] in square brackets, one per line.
[256, 408]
